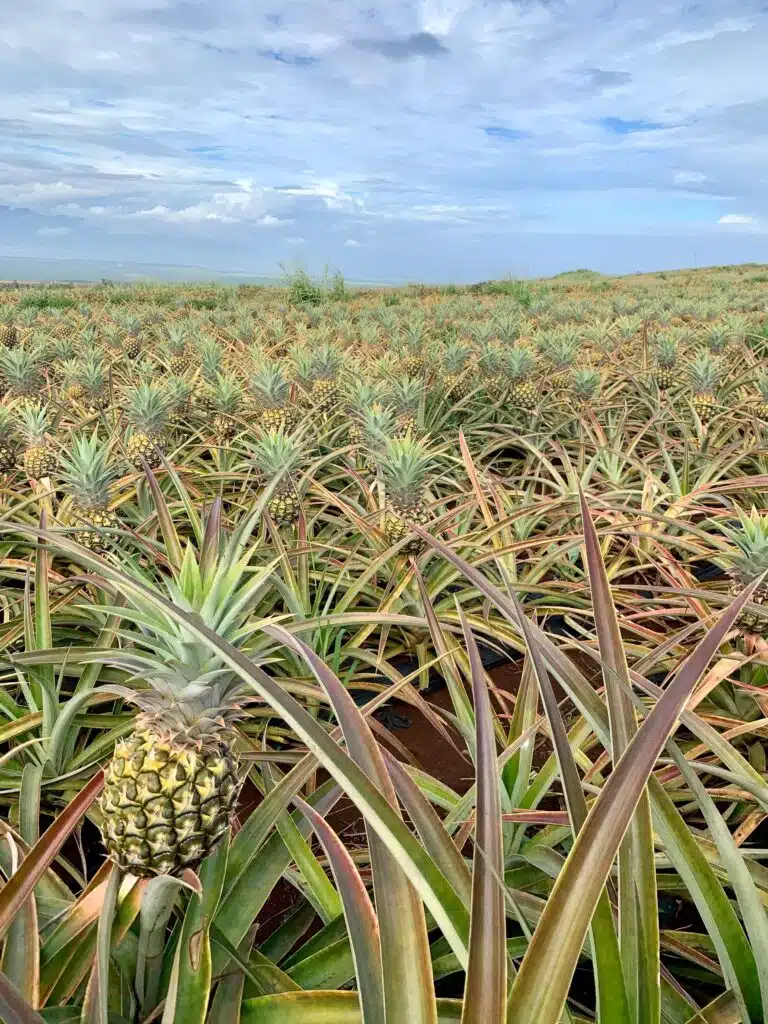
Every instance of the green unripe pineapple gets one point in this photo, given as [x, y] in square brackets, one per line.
[666, 358]
[272, 393]
[704, 373]
[519, 368]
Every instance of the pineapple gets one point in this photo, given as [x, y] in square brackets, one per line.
[455, 363]
[39, 459]
[666, 357]
[273, 393]
[404, 464]
[180, 357]
[211, 365]
[361, 395]
[704, 373]
[9, 336]
[406, 395]
[170, 791]
[226, 396]
[326, 365]
[179, 391]
[376, 424]
[760, 405]
[147, 413]
[748, 561]
[489, 366]
[413, 361]
[93, 378]
[86, 475]
[9, 443]
[277, 455]
[132, 342]
[519, 367]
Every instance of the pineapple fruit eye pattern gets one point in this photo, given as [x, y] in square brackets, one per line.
[232, 516]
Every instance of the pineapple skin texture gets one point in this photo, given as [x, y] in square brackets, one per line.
[283, 507]
[396, 528]
[166, 802]
[141, 446]
[39, 461]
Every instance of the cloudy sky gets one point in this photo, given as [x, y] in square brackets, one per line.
[433, 140]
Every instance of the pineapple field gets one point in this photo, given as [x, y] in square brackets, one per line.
[385, 656]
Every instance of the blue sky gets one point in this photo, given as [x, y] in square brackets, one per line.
[434, 140]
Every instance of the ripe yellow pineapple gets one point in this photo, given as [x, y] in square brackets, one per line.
[404, 464]
[86, 474]
[519, 367]
[277, 456]
[457, 381]
[9, 442]
[272, 393]
[8, 334]
[666, 357]
[170, 790]
[704, 373]
[39, 459]
[147, 412]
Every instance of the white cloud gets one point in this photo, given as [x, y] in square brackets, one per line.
[689, 178]
[737, 218]
[52, 231]
[352, 243]
[270, 221]
[296, 240]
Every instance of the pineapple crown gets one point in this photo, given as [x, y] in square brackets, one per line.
[226, 393]
[147, 408]
[404, 463]
[211, 357]
[750, 539]
[33, 422]
[177, 335]
[269, 385]
[519, 363]
[361, 394]
[586, 382]
[667, 350]
[92, 373]
[20, 367]
[327, 361]
[704, 372]
[86, 471]
[406, 393]
[378, 423]
[277, 453]
[455, 356]
[489, 360]
[178, 390]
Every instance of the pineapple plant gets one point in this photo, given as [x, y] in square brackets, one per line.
[272, 393]
[211, 365]
[277, 455]
[666, 358]
[171, 788]
[748, 560]
[9, 442]
[86, 474]
[704, 374]
[455, 363]
[325, 372]
[147, 412]
[179, 392]
[361, 395]
[412, 349]
[93, 378]
[180, 357]
[376, 424]
[404, 465]
[489, 366]
[21, 371]
[760, 405]
[132, 344]
[519, 368]
[405, 396]
[39, 459]
[226, 396]
[9, 335]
